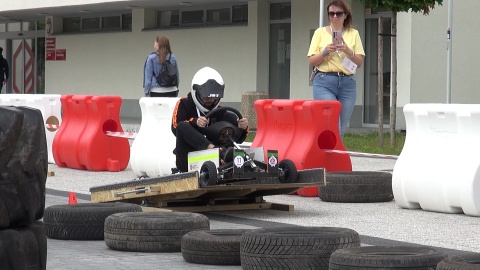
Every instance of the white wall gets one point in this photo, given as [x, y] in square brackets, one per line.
[465, 52]
[112, 63]
[261, 23]
[422, 55]
[404, 58]
[304, 20]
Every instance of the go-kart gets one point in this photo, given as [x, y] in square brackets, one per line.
[237, 164]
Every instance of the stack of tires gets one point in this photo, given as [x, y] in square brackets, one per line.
[23, 173]
[320, 248]
[269, 248]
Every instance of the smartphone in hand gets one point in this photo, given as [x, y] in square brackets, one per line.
[337, 37]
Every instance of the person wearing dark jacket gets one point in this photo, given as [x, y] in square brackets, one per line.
[189, 122]
[3, 70]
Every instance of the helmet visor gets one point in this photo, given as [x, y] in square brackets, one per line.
[209, 89]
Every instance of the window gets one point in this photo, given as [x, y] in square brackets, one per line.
[28, 26]
[280, 11]
[192, 17]
[111, 22]
[71, 25]
[218, 16]
[41, 25]
[240, 14]
[168, 18]
[223, 15]
[90, 24]
[127, 21]
[14, 27]
[119, 22]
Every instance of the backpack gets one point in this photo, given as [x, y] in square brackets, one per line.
[168, 74]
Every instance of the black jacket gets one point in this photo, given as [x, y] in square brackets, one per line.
[186, 110]
[3, 69]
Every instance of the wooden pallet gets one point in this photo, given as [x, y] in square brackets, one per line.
[181, 192]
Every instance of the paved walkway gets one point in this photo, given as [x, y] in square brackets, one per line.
[377, 223]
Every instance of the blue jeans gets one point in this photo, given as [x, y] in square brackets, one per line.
[343, 89]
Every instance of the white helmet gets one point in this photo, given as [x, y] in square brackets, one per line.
[207, 82]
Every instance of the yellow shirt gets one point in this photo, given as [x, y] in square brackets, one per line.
[333, 62]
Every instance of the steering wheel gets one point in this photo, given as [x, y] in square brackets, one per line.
[219, 133]
[221, 109]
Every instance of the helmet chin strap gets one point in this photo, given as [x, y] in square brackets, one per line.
[198, 112]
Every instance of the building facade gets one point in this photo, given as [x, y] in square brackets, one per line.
[96, 47]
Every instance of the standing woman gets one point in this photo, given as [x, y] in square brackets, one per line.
[335, 64]
[152, 68]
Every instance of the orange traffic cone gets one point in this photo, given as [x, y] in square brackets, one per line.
[72, 198]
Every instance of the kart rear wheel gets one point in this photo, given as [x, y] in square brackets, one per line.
[208, 174]
[287, 171]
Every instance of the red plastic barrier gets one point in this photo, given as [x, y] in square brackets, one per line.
[65, 141]
[262, 107]
[301, 131]
[81, 143]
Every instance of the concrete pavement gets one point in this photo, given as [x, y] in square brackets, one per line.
[377, 223]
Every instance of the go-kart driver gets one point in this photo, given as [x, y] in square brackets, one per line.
[189, 122]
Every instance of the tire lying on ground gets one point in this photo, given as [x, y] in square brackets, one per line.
[380, 257]
[23, 166]
[466, 262]
[23, 247]
[151, 231]
[83, 221]
[214, 247]
[357, 187]
[294, 247]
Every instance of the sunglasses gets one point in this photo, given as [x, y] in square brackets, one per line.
[338, 14]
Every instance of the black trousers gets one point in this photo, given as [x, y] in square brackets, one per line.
[188, 140]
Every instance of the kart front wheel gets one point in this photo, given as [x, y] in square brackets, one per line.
[208, 174]
[287, 171]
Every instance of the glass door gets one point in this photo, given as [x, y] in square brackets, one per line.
[28, 66]
[370, 109]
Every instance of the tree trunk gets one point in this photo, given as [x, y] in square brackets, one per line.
[393, 79]
[380, 82]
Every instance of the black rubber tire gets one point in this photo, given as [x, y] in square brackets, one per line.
[23, 247]
[208, 174]
[294, 247]
[466, 262]
[23, 166]
[290, 174]
[83, 221]
[357, 187]
[213, 247]
[380, 257]
[151, 231]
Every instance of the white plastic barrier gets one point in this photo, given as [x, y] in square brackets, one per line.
[152, 150]
[439, 167]
[49, 105]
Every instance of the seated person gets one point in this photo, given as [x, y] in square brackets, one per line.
[189, 122]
